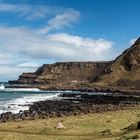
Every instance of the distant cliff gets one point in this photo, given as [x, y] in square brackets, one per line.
[122, 73]
[63, 72]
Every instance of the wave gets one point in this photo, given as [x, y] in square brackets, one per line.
[18, 104]
[22, 89]
[2, 88]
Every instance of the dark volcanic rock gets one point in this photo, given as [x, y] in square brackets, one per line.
[74, 105]
[6, 116]
[84, 104]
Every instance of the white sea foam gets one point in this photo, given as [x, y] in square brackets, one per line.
[22, 89]
[2, 88]
[15, 105]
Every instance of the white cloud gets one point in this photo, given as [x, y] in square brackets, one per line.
[62, 20]
[20, 47]
[35, 12]
[54, 18]
[7, 7]
[28, 65]
[23, 49]
[28, 11]
[4, 58]
[92, 46]
[59, 47]
[12, 72]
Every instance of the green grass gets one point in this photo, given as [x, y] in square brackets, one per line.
[99, 126]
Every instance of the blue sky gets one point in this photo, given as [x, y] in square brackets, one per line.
[34, 32]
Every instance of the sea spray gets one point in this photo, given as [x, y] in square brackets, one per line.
[15, 101]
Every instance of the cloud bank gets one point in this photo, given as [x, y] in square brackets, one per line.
[57, 46]
[24, 48]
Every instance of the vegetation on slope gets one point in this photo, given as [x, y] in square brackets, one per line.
[106, 126]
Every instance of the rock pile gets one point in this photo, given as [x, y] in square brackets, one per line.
[74, 105]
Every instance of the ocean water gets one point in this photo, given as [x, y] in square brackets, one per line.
[17, 99]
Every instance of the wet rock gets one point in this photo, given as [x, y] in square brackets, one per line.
[6, 116]
[74, 105]
[23, 116]
[34, 115]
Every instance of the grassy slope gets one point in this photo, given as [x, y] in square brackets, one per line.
[83, 127]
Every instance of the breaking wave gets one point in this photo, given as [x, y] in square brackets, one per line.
[17, 99]
[2, 88]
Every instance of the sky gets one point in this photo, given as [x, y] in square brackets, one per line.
[36, 32]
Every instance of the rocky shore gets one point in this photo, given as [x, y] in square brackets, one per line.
[74, 104]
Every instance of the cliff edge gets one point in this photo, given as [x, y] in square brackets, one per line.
[63, 72]
[123, 72]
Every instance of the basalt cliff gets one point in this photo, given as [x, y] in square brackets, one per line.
[63, 75]
[121, 74]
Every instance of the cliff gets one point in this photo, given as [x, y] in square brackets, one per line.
[63, 72]
[122, 73]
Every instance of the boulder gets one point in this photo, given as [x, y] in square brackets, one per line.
[59, 126]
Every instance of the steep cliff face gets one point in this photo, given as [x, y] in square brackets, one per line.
[124, 71]
[66, 72]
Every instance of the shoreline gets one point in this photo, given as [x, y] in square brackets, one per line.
[114, 90]
[74, 104]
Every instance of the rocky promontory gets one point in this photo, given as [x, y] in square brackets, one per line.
[63, 73]
[122, 74]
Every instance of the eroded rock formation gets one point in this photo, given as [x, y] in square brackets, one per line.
[123, 72]
[68, 72]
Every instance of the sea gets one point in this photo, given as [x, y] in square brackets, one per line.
[19, 99]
